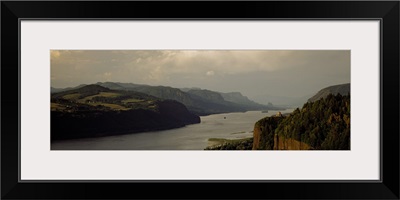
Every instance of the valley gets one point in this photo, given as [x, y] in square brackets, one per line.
[106, 110]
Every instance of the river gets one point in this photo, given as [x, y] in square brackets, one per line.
[191, 137]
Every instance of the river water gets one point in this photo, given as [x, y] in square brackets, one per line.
[191, 137]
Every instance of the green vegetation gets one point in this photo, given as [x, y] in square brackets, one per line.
[231, 144]
[267, 126]
[57, 106]
[101, 94]
[238, 132]
[71, 96]
[323, 125]
[132, 100]
[223, 140]
[93, 110]
[94, 97]
[198, 101]
[111, 106]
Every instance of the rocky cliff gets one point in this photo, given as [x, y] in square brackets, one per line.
[320, 125]
[95, 123]
[264, 131]
[94, 111]
[281, 143]
[265, 138]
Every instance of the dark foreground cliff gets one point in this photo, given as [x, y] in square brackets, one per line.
[320, 125]
[94, 111]
[95, 123]
[265, 138]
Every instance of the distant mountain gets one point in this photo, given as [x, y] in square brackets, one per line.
[164, 92]
[215, 103]
[129, 85]
[233, 99]
[208, 95]
[111, 85]
[187, 89]
[197, 106]
[237, 97]
[299, 101]
[342, 89]
[55, 90]
[83, 91]
[94, 110]
[198, 101]
[282, 100]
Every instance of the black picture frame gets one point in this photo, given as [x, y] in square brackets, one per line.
[13, 11]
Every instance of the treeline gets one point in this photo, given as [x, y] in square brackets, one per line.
[323, 124]
[264, 139]
[245, 144]
[86, 123]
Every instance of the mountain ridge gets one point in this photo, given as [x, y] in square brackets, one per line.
[198, 101]
[94, 110]
[342, 89]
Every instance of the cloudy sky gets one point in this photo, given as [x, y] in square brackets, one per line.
[277, 73]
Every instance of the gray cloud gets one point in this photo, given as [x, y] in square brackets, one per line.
[284, 73]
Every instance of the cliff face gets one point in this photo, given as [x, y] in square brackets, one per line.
[281, 143]
[95, 123]
[264, 131]
[94, 111]
[256, 136]
[320, 125]
[265, 138]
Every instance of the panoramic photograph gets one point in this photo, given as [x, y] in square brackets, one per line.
[200, 100]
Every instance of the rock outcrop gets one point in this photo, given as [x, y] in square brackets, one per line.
[264, 131]
[97, 123]
[281, 143]
[265, 138]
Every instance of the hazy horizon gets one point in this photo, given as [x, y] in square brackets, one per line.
[254, 73]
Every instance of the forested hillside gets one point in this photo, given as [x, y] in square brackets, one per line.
[323, 124]
[198, 101]
[93, 111]
[320, 125]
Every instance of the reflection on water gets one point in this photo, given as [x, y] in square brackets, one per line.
[191, 137]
